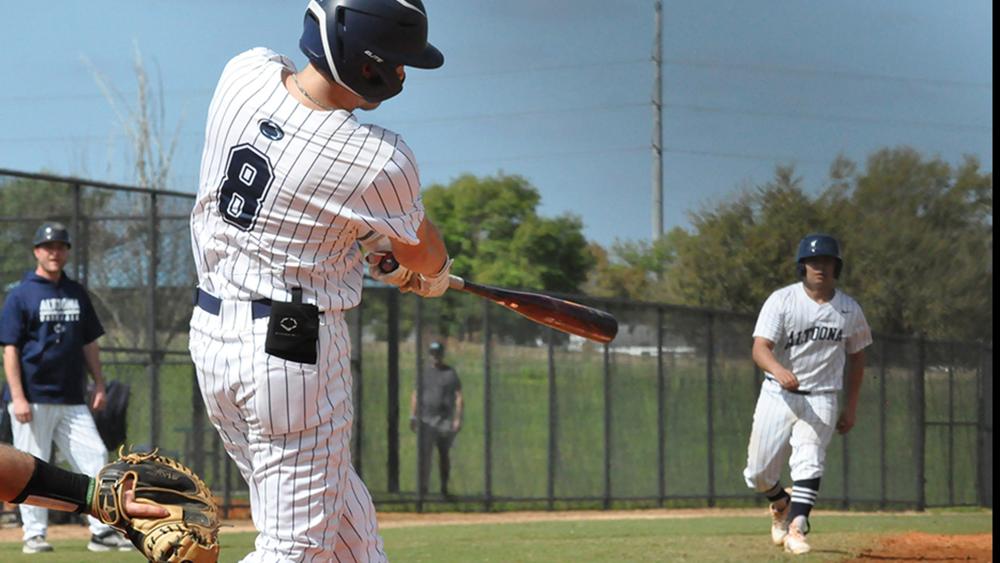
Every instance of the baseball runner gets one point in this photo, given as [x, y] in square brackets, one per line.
[804, 333]
[290, 183]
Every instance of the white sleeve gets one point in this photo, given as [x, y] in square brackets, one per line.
[770, 322]
[860, 336]
[392, 205]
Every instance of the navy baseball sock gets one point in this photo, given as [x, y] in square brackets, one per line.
[803, 499]
[776, 494]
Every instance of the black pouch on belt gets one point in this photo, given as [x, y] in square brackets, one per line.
[293, 330]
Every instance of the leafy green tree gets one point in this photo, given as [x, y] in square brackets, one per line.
[921, 245]
[634, 269]
[492, 230]
[916, 234]
[494, 233]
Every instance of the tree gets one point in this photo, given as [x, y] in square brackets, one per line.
[151, 152]
[921, 242]
[634, 269]
[495, 235]
[916, 234]
[492, 230]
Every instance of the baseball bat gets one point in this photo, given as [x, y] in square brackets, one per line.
[560, 314]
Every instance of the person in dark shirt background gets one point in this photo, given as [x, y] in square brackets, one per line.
[49, 332]
[440, 416]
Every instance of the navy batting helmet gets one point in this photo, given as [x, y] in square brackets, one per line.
[436, 349]
[359, 43]
[51, 232]
[819, 245]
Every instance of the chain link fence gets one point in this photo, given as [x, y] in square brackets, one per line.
[661, 417]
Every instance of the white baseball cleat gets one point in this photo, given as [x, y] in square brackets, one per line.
[795, 541]
[779, 523]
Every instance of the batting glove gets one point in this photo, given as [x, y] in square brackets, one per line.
[430, 286]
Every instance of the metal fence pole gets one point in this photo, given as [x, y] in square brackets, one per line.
[227, 487]
[197, 426]
[359, 387]
[487, 410]
[845, 457]
[984, 435]
[845, 500]
[661, 419]
[607, 426]
[550, 487]
[882, 401]
[921, 416]
[979, 427]
[77, 212]
[217, 463]
[151, 312]
[423, 482]
[951, 426]
[392, 412]
[708, 407]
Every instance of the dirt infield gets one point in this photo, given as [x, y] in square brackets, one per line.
[917, 546]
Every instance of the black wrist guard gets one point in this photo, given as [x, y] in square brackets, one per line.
[58, 489]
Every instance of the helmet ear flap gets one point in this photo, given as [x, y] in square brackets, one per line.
[801, 269]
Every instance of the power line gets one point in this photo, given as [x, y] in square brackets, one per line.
[539, 156]
[741, 156]
[741, 67]
[852, 75]
[832, 118]
[525, 113]
[584, 109]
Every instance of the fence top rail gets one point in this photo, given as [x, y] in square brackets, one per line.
[93, 183]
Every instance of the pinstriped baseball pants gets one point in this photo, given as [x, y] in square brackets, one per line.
[786, 423]
[287, 426]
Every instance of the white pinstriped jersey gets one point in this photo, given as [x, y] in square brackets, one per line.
[285, 191]
[811, 339]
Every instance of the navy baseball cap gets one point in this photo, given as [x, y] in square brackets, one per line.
[436, 348]
[52, 232]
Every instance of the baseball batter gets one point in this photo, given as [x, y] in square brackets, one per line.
[804, 334]
[290, 182]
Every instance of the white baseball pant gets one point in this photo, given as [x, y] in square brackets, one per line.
[72, 429]
[784, 423]
[288, 428]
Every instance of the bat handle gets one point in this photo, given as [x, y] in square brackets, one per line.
[388, 263]
[455, 282]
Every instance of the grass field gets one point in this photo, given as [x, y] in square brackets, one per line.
[835, 537]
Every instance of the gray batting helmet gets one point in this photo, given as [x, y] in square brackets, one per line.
[343, 38]
[52, 232]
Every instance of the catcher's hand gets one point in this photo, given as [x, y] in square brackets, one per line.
[189, 531]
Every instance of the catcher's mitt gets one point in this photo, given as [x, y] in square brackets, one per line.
[189, 533]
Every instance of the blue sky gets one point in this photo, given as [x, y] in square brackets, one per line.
[557, 91]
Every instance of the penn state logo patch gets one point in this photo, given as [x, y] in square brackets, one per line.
[271, 130]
